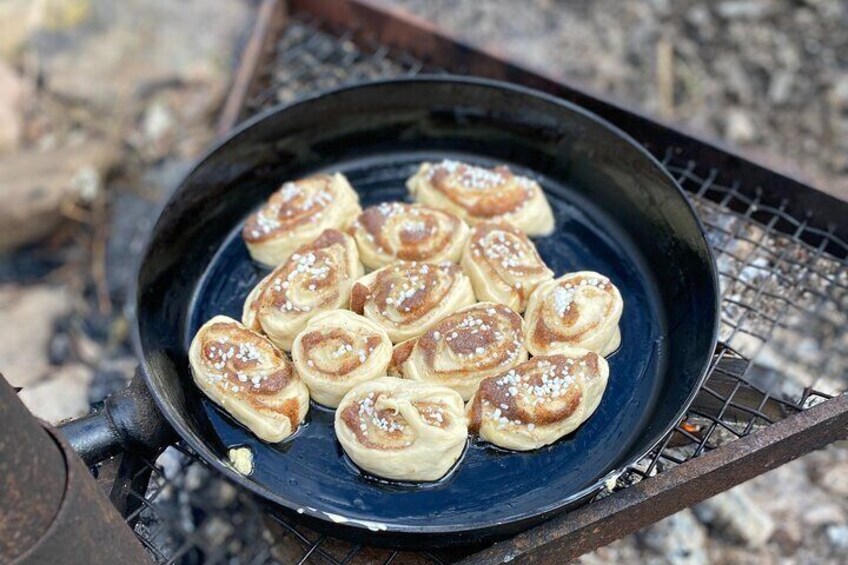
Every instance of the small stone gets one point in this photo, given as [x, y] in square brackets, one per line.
[822, 514]
[698, 16]
[835, 479]
[738, 517]
[157, 131]
[680, 539]
[837, 536]
[780, 87]
[739, 126]
[747, 9]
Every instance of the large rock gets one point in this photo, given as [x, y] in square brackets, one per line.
[679, 539]
[122, 51]
[36, 184]
[63, 395]
[27, 317]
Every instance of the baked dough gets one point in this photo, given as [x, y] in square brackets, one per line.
[477, 194]
[576, 310]
[298, 213]
[407, 298]
[395, 231]
[337, 351]
[247, 376]
[503, 264]
[464, 348]
[539, 401]
[401, 429]
[316, 278]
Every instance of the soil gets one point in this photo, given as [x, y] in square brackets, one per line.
[768, 76]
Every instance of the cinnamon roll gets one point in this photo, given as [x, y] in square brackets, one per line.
[247, 376]
[576, 310]
[503, 264]
[297, 213]
[337, 351]
[539, 401]
[401, 429]
[406, 299]
[466, 347]
[316, 278]
[477, 194]
[395, 231]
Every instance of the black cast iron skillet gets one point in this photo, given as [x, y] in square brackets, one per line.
[618, 212]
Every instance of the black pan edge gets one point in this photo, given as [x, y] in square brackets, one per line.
[461, 529]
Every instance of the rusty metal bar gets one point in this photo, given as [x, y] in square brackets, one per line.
[269, 22]
[51, 509]
[32, 477]
[568, 536]
[398, 29]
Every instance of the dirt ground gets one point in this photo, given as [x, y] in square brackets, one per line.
[769, 76]
[103, 106]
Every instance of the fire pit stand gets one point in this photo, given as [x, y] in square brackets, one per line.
[777, 381]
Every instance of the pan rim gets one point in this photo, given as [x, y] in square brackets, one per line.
[458, 529]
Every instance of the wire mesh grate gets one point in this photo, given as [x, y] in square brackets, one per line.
[784, 346]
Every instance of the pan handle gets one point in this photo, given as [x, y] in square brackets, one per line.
[128, 421]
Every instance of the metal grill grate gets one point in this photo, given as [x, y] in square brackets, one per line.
[783, 348]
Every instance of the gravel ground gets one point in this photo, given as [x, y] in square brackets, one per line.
[770, 76]
[90, 145]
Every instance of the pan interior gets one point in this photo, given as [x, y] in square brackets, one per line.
[489, 485]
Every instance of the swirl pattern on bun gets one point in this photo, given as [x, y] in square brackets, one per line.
[298, 213]
[539, 401]
[407, 298]
[503, 264]
[337, 351]
[477, 194]
[316, 278]
[402, 430]
[579, 310]
[247, 376]
[464, 348]
[395, 231]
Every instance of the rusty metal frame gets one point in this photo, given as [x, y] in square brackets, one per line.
[51, 509]
[623, 512]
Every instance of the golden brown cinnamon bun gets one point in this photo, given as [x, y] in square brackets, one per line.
[395, 231]
[576, 310]
[477, 194]
[539, 401]
[503, 264]
[246, 375]
[337, 351]
[406, 299]
[401, 429]
[464, 348]
[298, 213]
[316, 278]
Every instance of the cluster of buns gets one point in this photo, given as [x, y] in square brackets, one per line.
[427, 345]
